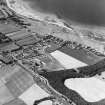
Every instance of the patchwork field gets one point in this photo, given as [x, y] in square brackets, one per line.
[61, 67]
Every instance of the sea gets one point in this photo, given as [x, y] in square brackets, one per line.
[90, 12]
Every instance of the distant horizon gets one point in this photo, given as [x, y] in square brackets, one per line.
[89, 12]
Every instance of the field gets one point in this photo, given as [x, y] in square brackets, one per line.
[91, 89]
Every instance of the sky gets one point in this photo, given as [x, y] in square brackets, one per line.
[82, 11]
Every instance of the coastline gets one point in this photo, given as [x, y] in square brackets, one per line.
[80, 30]
[22, 8]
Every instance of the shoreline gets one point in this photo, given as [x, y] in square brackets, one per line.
[82, 31]
[49, 18]
[22, 10]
